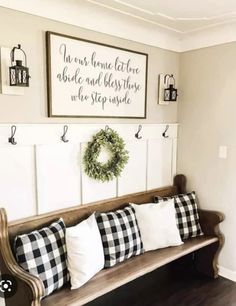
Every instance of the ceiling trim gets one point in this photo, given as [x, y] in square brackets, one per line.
[229, 17]
[134, 6]
[169, 17]
[133, 15]
[115, 23]
[225, 33]
[207, 27]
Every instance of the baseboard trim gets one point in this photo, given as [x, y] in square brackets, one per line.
[231, 275]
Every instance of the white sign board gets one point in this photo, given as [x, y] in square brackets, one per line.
[88, 79]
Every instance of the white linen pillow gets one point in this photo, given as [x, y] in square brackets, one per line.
[84, 251]
[157, 224]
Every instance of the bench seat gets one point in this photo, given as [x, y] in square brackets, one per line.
[112, 278]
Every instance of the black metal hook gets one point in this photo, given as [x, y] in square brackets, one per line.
[13, 132]
[170, 77]
[137, 134]
[107, 128]
[63, 137]
[12, 54]
[164, 133]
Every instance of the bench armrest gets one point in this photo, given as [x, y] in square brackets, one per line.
[206, 259]
[30, 287]
[210, 221]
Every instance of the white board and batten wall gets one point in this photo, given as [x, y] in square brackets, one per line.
[41, 173]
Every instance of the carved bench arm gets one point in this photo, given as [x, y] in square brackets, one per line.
[206, 259]
[31, 287]
[210, 221]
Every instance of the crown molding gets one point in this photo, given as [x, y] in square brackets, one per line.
[134, 15]
[103, 20]
[217, 35]
[218, 19]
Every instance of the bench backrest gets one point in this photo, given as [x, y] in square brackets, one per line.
[76, 214]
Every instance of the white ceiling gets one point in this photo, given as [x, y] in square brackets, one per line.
[181, 16]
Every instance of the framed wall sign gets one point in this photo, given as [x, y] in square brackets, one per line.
[90, 79]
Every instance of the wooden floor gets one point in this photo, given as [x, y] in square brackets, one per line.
[172, 286]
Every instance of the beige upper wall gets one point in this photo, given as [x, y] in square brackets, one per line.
[207, 117]
[32, 107]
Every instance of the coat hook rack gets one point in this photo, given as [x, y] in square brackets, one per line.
[164, 133]
[13, 132]
[63, 137]
[139, 130]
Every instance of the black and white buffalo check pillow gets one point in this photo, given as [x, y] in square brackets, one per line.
[43, 253]
[120, 235]
[186, 214]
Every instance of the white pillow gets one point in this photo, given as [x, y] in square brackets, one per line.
[157, 224]
[84, 251]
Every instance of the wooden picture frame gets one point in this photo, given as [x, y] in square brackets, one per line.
[91, 79]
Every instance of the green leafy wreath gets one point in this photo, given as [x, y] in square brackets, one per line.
[109, 139]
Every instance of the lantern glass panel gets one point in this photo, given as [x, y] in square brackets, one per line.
[167, 95]
[12, 76]
[174, 94]
[24, 77]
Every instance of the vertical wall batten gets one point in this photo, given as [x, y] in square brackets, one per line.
[36, 181]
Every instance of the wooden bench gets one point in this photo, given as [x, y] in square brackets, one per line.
[30, 289]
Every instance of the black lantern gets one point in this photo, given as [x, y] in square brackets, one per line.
[170, 93]
[19, 74]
